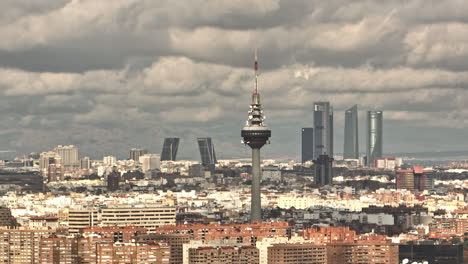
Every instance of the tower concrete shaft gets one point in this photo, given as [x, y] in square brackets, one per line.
[256, 134]
[255, 203]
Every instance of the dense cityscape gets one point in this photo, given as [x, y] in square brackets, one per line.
[330, 73]
[59, 207]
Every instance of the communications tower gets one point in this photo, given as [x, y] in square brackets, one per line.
[255, 134]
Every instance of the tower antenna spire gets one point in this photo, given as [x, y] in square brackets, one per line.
[256, 72]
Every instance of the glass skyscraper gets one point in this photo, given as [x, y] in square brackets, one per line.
[170, 147]
[351, 136]
[323, 129]
[374, 136]
[207, 151]
[307, 144]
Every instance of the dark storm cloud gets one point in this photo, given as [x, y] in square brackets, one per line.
[111, 75]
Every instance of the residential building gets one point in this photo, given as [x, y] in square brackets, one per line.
[136, 153]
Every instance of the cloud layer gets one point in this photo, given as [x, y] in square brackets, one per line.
[112, 75]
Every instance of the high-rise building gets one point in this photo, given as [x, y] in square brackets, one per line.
[58, 250]
[45, 159]
[423, 178]
[85, 163]
[323, 170]
[416, 178]
[51, 167]
[256, 134]
[136, 153]
[55, 172]
[69, 155]
[207, 151]
[323, 129]
[113, 180]
[109, 160]
[21, 246]
[170, 147]
[307, 144]
[374, 136]
[351, 136]
[150, 162]
[6, 219]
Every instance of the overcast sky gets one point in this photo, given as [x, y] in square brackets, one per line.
[112, 75]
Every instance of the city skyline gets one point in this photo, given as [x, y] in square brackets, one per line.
[139, 131]
[61, 83]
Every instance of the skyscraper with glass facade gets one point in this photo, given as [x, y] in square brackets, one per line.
[207, 151]
[170, 147]
[323, 129]
[351, 136]
[374, 136]
[307, 144]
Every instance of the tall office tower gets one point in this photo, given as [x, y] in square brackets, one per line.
[307, 144]
[323, 168]
[351, 136]
[85, 163]
[256, 134]
[374, 136]
[69, 155]
[323, 125]
[150, 162]
[136, 153]
[207, 151]
[170, 147]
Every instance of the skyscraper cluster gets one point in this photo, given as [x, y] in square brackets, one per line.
[318, 141]
[205, 145]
